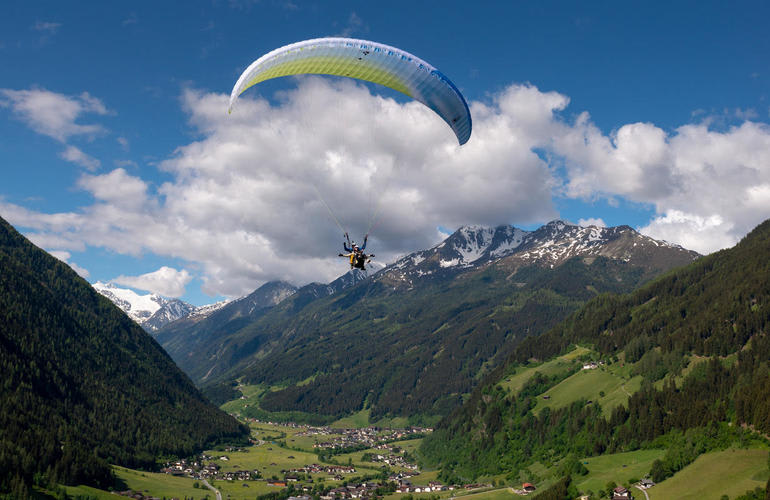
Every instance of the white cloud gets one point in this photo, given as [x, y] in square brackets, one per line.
[165, 281]
[46, 26]
[353, 26]
[242, 205]
[116, 188]
[690, 176]
[591, 221]
[65, 257]
[52, 114]
[702, 234]
[78, 157]
[125, 163]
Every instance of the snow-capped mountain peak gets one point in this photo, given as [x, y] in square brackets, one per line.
[466, 247]
[139, 307]
[151, 311]
[549, 245]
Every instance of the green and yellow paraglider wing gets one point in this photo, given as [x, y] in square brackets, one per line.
[369, 61]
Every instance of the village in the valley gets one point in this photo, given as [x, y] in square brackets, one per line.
[357, 463]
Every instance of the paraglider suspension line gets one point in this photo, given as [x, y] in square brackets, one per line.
[336, 221]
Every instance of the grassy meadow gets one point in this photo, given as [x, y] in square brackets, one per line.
[731, 472]
[617, 467]
[607, 385]
[561, 364]
[604, 385]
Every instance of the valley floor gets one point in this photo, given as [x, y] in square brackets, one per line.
[282, 448]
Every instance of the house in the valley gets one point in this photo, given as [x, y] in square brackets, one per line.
[621, 493]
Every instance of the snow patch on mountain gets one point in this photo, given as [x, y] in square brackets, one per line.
[550, 245]
[477, 240]
[208, 309]
[139, 307]
[152, 311]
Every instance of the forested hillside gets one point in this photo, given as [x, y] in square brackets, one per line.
[416, 337]
[718, 307]
[407, 352]
[83, 386]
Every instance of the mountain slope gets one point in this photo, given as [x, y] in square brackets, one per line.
[196, 332]
[83, 385]
[718, 306]
[416, 336]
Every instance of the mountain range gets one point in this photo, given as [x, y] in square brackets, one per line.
[697, 338]
[416, 336]
[152, 311]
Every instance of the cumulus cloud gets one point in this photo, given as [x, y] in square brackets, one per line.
[117, 189]
[260, 194]
[78, 157]
[692, 231]
[52, 114]
[591, 221]
[165, 281]
[706, 185]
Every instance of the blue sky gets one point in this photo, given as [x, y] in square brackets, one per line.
[118, 157]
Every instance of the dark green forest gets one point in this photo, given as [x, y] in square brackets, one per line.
[717, 307]
[83, 386]
[412, 352]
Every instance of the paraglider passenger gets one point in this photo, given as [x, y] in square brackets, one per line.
[358, 258]
[353, 245]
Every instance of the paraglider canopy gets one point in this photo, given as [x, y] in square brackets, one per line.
[369, 61]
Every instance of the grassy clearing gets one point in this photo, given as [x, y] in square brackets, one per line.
[247, 406]
[355, 421]
[618, 467]
[561, 364]
[394, 423]
[89, 492]
[159, 485]
[268, 459]
[235, 490]
[730, 472]
[251, 395]
[590, 385]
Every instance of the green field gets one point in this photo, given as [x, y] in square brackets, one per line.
[562, 364]
[269, 459]
[150, 484]
[236, 490]
[486, 494]
[589, 385]
[355, 421]
[160, 484]
[251, 395]
[618, 467]
[730, 472]
[88, 491]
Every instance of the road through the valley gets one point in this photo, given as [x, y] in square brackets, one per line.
[206, 483]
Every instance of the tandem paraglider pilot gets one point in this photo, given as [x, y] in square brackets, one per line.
[358, 259]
